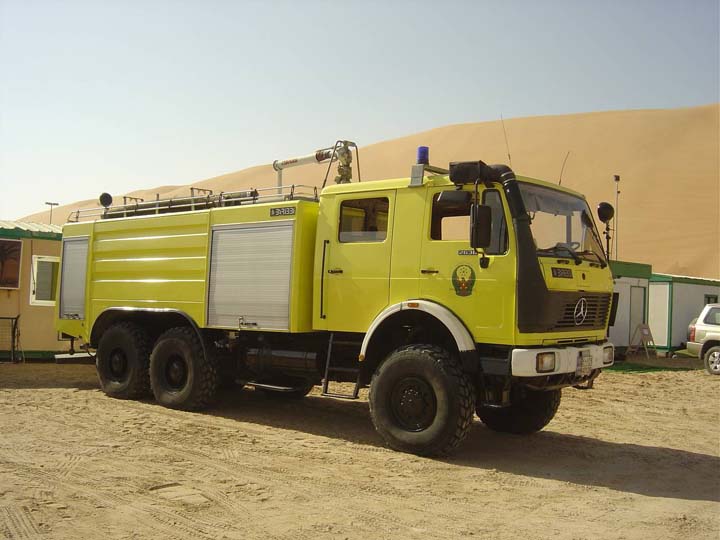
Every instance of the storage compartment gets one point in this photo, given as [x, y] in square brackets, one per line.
[250, 271]
[72, 280]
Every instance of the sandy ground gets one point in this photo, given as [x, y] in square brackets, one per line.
[637, 457]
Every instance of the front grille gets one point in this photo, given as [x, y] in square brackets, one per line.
[597, 306]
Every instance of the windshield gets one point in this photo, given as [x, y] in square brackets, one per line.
[561, 224]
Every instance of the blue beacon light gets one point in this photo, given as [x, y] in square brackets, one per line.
[423, 155]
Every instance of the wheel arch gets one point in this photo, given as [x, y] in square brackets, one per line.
[707, 346]
[154, 320]
[439, 326]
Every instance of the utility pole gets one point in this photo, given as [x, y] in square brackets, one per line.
[51, 204]
[617, 213]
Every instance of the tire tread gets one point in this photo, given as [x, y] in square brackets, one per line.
[466, 397]
[138, 387]
[523, 417]
[207, 377]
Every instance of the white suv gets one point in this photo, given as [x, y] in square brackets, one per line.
[704, 338]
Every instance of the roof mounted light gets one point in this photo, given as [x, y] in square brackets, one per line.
[423, 155]
[106, 199]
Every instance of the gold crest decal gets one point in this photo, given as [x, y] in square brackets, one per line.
[463, 280]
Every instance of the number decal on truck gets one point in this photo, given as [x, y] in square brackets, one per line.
[284, 211]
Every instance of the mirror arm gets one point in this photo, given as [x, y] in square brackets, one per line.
[484, 259]
[477, 196]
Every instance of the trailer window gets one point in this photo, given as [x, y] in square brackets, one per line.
[364, 220]
[43, 280]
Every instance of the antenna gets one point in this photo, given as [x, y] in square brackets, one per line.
[51, 204]
[507, 145]
[563, 167]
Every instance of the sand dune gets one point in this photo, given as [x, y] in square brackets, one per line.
[668, 160]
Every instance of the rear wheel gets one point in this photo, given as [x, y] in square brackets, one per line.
[421, 401]
[182, 375]
[529, 411]
[712, 360]
[122, 360]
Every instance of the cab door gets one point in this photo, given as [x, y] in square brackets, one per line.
[354, 239]
[481, 295]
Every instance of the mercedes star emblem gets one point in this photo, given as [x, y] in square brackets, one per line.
[580, 311]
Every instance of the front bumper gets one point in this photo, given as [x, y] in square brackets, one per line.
[524, 361]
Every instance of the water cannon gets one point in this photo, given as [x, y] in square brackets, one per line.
[340, 152]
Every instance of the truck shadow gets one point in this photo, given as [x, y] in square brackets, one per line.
[645, 470]
[653, 471]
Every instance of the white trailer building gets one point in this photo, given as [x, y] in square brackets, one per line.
[631, 299]
[674, 302]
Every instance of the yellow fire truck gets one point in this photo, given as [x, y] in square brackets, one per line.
[451, 292]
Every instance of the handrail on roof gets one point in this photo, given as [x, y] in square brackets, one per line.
[133, 206]
[198, 202]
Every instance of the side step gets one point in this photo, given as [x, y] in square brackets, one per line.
[273, 387]
[330, 369]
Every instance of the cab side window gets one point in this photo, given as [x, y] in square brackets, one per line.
[364, 220]
[498, 234]
[449, 221]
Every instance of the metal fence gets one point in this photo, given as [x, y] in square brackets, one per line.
[9, 339]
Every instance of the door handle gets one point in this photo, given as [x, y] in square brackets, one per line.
[335, 271]
[429, 271]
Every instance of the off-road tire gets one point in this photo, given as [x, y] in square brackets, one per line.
[122, 360]
[182, 375]
[712, 360]
[529, 412]
[430, 372]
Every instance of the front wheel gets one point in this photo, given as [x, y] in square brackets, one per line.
[529, 411]
[712, 360]
[421, 402]
[182, 375]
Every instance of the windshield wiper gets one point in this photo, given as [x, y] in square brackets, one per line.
[567, 249]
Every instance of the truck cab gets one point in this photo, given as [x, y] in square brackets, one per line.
[382, 245]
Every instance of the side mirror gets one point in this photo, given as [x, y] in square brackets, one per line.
[480, 224]
[605, 212]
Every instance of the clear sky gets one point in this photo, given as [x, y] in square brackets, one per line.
[100, 95]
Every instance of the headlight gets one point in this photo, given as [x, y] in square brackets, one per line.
[608, 355]
[545, 362]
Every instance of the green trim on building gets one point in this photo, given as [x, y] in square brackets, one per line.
[630, 269]
[38, 235]
[670, 314]
[669, 278]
